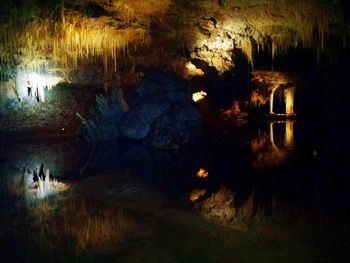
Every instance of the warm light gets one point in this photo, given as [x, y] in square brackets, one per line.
[289, 99]
[257, 99]
[192, 70]
[196, 194]
[289, 135]
[202, 173]
[197, 96]
[267, 153]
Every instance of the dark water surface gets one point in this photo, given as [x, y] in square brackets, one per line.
[277, 192]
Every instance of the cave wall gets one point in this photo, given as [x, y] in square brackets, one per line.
[114, 33]
[110, 43]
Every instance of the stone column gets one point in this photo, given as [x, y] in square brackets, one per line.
[271, 99]
[289, 100]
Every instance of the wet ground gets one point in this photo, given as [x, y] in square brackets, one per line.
[263, 192]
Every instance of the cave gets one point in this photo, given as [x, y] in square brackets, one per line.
[174, 131]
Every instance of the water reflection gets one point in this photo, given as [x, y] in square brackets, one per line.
[273, 168]
[222, 207]
[41, 185]
[273, 148]
[197, 193]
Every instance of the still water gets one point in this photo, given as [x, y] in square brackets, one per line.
[273, 192]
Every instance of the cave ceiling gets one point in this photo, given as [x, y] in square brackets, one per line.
[68, 34]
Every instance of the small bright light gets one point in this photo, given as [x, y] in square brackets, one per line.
[199, 96]
[202, 173]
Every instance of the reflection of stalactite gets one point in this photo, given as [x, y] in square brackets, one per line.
[289, 134]
[222, 207]
[267, 151]
[272, 138]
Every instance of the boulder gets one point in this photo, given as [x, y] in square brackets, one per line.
[162, 111]
[138, 122]
[158, 83]
[169, 134]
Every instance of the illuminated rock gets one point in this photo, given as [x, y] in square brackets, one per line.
[202, 173]
[196, 194]
[161, 113]
[33, 84]
[197, 96]
[220, 207]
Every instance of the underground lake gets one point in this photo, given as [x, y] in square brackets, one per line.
[174, 131]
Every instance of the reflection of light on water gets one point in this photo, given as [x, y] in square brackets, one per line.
[47, 186]
[267, 152]
[197, 96]
[289, 135]
[222, 208]
[43, 187]
[196, 194]
[202, 173]
[98, 228]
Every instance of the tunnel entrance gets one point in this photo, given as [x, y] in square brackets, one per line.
[279, 103]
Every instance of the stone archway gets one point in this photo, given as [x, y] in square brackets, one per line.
[267, 84]
[288, 140]
[288, 95]
[289, 99]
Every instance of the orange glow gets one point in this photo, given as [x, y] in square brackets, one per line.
[257, 99]
[196, 194]
[266, 153]
[197, 96]
[289, 135]
[192, 70]
[289, 99]
[202, 173]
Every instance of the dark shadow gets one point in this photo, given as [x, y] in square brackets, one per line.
[279, 105]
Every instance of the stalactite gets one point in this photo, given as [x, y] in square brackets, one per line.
[247, 49]
[66, 42]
